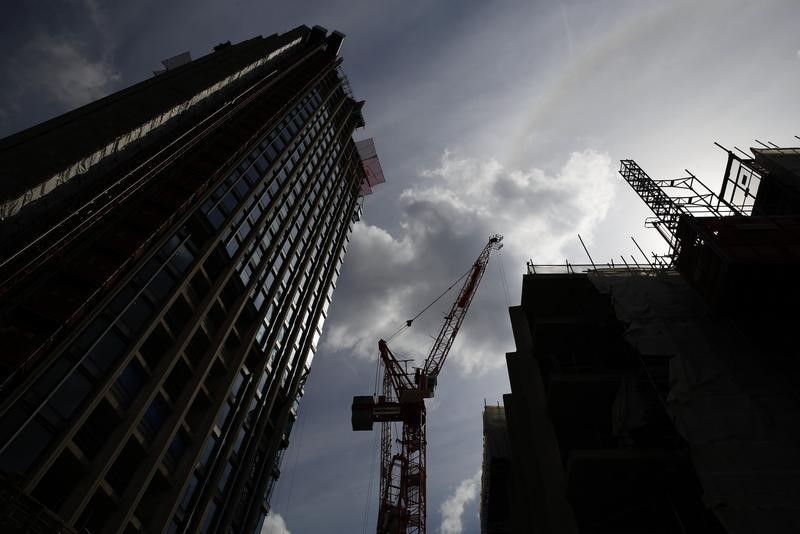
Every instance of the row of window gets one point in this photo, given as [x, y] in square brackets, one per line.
[31, 425]
[210, 445]
[242, 226]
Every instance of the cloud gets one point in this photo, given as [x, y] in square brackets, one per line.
[274, 524]
[444, 220]
[60, 68]
[453, 507]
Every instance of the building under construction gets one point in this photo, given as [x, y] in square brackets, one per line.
[664, 397]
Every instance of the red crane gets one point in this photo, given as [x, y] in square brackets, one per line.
[401, 509]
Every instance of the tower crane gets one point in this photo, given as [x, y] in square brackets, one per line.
[401, 508]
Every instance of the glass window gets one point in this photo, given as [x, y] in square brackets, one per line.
[244, 229]
[26, 448]
[262, 383]
[182, 259]
[122, 299]
[231, 247]
[67, 398]
[178, 445]
[168, 247]
[208, 450]
[229, 203]
[161, 285]
[45, 384]
[137, 314]
[219, 192]
[216, 218]
[241, 188]
[224, 413]
[237, 384]
[259, 300]
[156, 414]
[189, 493]
[211, 513]
[130, 381]
[105, 353]
[226, 474]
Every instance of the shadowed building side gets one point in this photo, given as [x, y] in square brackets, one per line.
[665, 399]
[169, 254]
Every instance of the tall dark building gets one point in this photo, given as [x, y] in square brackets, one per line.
[663, 397]
[496, 489]
[169, 253]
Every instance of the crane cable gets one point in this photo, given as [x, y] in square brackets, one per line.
[503, 278]
[426, 308]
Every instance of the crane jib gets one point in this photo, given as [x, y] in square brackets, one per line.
[470, 287]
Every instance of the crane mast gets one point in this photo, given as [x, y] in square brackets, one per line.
[401, 508]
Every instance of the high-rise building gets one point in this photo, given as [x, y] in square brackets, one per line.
[662, 396]
[169, 253]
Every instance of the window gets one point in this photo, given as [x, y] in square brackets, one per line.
[130, 382]
[161, 285]
[182, 259]
[127, 463]
[156, 345]
[179, 314]
[50, 489]
[95, 431]
[178, 446]
[42, 387]
[156, 414]
[197, 346]
[224, 415]
[216, 218]
[26, 448]
[186, 501]
[211, 514]
[137, 315]
[241, 189]
[226, 474]
[209, 449]
[229, 203]
[58, 410]
[177, 379]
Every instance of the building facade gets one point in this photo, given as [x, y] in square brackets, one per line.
[166, 272]
[664, 398]
[496, 488]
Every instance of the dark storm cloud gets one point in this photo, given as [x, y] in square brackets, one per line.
[60, 57]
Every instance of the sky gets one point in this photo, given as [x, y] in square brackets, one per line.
[492, 116]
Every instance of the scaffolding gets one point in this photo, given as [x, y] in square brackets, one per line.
[672, 199]
[741, 181]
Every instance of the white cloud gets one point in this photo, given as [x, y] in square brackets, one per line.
[444, 220]
[274, 524]
[453, 507]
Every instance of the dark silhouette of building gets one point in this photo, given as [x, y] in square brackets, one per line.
[169, 253]
[665, 398]
[496, 488]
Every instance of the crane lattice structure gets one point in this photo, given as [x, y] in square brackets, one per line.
[691, 197]
[401, 508]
